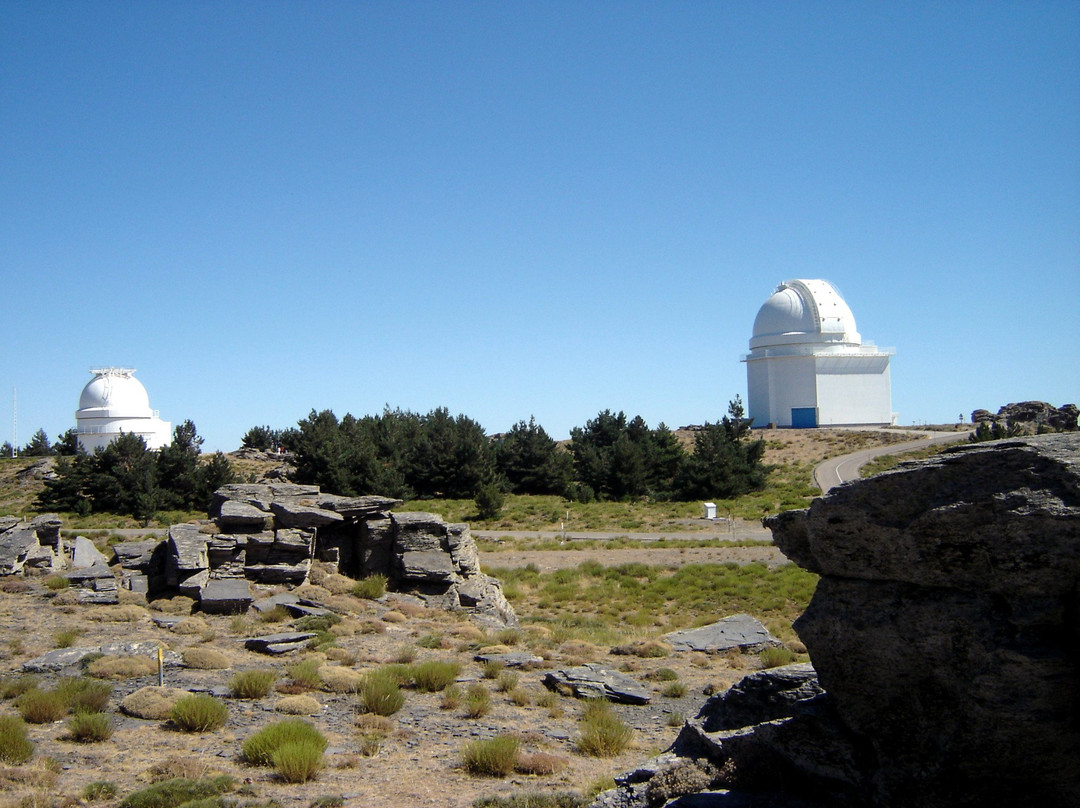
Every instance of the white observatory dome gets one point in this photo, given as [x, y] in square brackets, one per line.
[804, 311]
[114, 402]
[115, 394]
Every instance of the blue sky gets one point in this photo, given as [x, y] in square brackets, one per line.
[515, 209]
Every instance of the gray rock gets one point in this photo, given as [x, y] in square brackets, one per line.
[739, 631]
[15, 544]
[225, 596]
[187, 548]
[61, 658]
[143, 555]
[944, 625]
[263, 605]
[418, 532]
[303, 513]
[86, 554]
[517, 659]
[426, 565]
[234, 513]
[282, 643]
[357, 506]
[594, 681]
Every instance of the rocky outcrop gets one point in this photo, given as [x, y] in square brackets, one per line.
[739, 631]
[1032, 416]
[35, 544]
[945, 634]
[271, 533]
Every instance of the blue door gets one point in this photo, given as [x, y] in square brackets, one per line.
[803, 417]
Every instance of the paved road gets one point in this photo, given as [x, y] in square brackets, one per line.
[836, 470]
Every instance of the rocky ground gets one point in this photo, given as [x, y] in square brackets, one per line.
[418, 764]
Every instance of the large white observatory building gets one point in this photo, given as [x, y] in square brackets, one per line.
[808, 366]
[113, 403]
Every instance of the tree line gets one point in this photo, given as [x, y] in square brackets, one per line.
[408, 455]
[125, 477]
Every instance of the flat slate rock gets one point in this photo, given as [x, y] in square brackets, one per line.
[281, 599]
[518, 659]
[61, 658]
[86, 554]
[279, 643]
[594, 681]
[225, 596]
[739, 631]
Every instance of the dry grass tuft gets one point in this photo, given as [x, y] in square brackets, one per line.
[191, 625]
[337, 679]
[299, 705]
[394, 617]
[152, 703]
[206, 659]
[176, 605]
[118, 614]
[122, 667]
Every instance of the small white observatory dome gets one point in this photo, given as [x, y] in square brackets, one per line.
[114, 402]
[808, 365]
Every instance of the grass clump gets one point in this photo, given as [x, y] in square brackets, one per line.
[84, 695]
[298, 705]
[65, 638]
[122, 667]
[99, 790]
[205, 659]
[534, 799]
[299, 761]
[253, 684]
[371, 587]
[775, 656]
[380, 692]
[55, 583]
[259, 749]
[90, 727]
[673, 690]
[540, 763]
[13, 686]
[434, 676]
[199, 713]
[477, 701]
[506, 681]
[493, 757]
[178, 791]
[41, 706]
[304, 673]
[603, 734]
[15, 746]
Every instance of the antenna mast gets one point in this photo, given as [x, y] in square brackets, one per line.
[14, 422]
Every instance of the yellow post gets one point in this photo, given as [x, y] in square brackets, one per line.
[160, 667]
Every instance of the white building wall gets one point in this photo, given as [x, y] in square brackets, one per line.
[97, 433]
[853, 390]
[778, 384]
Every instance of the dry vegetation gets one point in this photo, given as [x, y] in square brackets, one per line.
[609, 602]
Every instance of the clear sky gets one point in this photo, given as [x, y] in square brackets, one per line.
[528, 208]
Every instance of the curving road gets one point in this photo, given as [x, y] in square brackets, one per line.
[836, 470]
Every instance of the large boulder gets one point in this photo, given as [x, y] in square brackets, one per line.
[945, 627]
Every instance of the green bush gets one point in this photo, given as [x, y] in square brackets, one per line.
[56, 583]
[41, 706]
[533, 799]
[15, 746]
[13, 686]
[305, 673]
[435, 675]
[371, 587]
[775, 656]
[254, 684]
[477, 701]
[493, 757]
[199, 713]
[178, 791]
[674, 690]
[506, 681]
[66, 638]
[99, 790]
[603, 734]
[299, 761]
[489, 501]
[84, 695]
[380, 693]
[90, 727]
[258, 750]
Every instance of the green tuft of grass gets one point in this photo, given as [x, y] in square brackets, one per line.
[178, 791]
[775, 656]
[15, 744]
[380, 692]
[435, 675]
[477, 701]
[603, 734]
[493, 757]
[299, 761]
[305, 673]
[370, 587]
[41, 706]
[253, 684]
[259, 749]
[199, 713]
[100, 790]
[90, 727]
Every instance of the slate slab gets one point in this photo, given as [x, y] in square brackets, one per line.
[225, 596]
[86, 554]
[594, 681]
[518, 659]
[281, 643]
[61, 658]
[739, 631]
